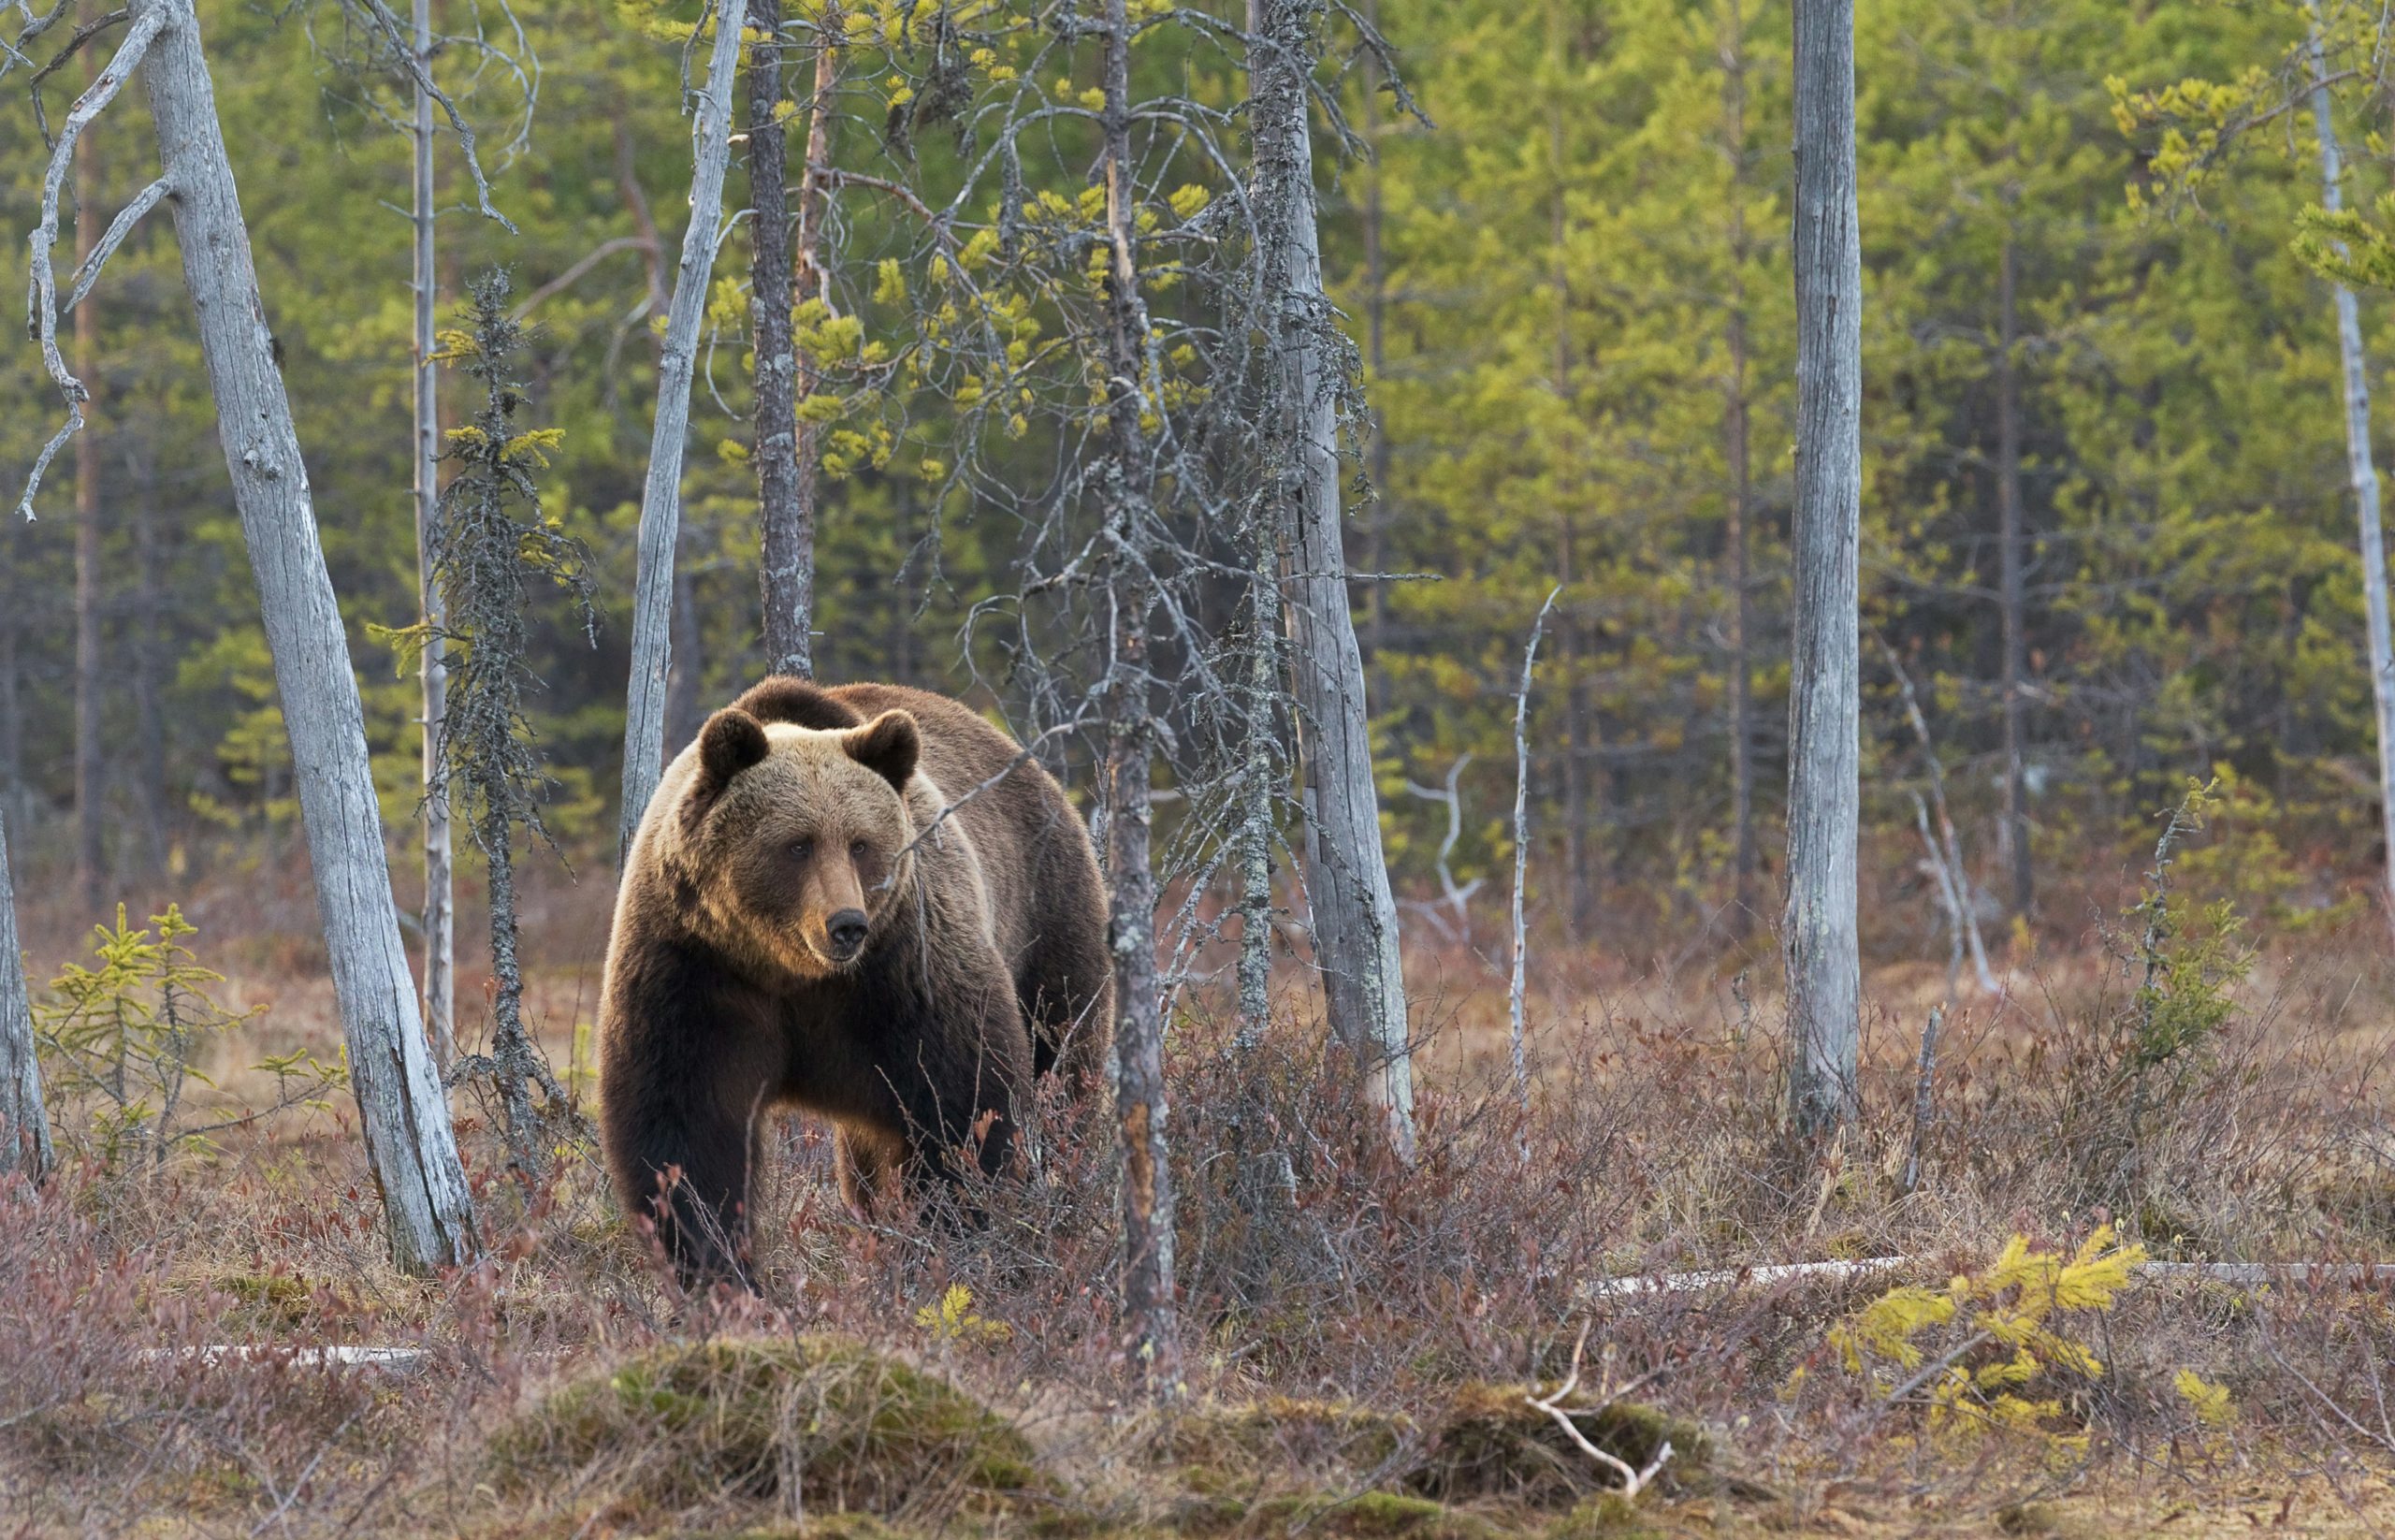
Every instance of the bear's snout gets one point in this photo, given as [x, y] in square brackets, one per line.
[846, 931]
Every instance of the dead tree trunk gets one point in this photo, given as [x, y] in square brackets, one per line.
[1744, 853]
[404, 1116]
[440, 906]
[2363, 472]
[1150, 1316]
[783, 568]
[2011, 554]
[1347, 887]
[91, 755]
[25, 1126]
[660, 507]
[1824, 719]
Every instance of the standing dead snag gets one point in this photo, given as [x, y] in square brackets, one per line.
[660, 503]
[1347, 886]
[1825, 701]
[2361, 471]
[439, 881]
[1520, 1059]
[490, 539]
[25, 1126]
[1151, 1322]
[409, 1145]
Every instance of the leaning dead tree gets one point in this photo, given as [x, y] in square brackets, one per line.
[1351, 905]
[660, 504]
[25, 1124]
[409, 1145]
[490, 545]
[1824, 711]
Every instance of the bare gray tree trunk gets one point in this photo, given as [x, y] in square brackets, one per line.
[25, 1126]
[91, 753]
[439, 881]
[661, 505]
[410, 1146]
[2011, 555]
[1347, 888]
[146, 649]
[2363, 472]
[785, 562]
[12, 746]
[1824, 719]
[1744, 854]
[1151, 1316]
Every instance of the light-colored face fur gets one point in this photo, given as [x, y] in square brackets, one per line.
[796, 842]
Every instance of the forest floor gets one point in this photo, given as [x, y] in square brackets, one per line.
[1362, 1348]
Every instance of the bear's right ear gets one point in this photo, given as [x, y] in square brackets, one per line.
[731, 742]
[783, 699]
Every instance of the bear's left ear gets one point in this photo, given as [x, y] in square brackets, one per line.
[888, 746]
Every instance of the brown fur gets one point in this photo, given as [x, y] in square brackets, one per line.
[801, 817]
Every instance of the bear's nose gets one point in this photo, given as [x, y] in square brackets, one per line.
[846, 931]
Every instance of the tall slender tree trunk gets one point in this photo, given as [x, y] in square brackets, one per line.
[660, 508]
[1824, 720]
[25, 1126]
[12, 742]
[147, 653]
[1151, 1316]
[1347, 886]
[410, 1146]
[1383, 511]
[1579, 890]
[2364, 472]
[1744, 852]
[91, 755]
[783, 570]
[2012, 554]
[440, 879]
[1580, 850]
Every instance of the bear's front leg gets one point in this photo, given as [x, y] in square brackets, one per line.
[958, 1080]
[683, 1085]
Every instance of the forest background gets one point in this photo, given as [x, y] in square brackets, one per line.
[1569, 290]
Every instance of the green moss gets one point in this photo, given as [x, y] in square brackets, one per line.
[853, 1429]
[1220, 1448]
[1492, 1442]
[1369, 1516]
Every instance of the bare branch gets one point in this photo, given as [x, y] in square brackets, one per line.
[43, 299]
[119, 227]
[1633, 1480]
[406, 53]
[589, 260]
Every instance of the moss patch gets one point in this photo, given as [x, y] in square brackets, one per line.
[1492, 1442]
[729, 1421]
[1223, 1448]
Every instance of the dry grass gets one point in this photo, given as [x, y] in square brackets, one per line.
[1358, 1370]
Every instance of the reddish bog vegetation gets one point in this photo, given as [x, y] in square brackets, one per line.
[1365, 1340]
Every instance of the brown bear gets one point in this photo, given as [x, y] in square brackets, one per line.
[864, 902]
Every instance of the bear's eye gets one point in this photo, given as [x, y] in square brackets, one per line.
[801, 848]
[858, 849]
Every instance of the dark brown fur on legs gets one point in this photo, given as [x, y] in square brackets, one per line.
[798, 925]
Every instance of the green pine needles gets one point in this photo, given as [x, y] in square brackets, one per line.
[492, 547]
[124, 1038]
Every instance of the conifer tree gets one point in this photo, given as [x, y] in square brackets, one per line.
[492, 542]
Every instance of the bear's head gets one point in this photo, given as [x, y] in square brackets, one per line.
[797, 841]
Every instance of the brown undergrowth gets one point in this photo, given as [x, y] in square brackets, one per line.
[1363, 1347]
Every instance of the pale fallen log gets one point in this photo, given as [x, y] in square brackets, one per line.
[1842, 1271]
[339, 1356]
